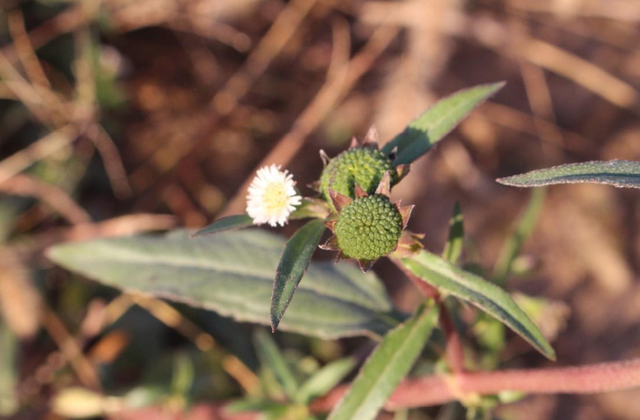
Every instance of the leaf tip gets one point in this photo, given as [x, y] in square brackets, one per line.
[274, 318]
[510, 181]
[548, 352]
[496, 86]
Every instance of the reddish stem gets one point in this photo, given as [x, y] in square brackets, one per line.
[454, 350]
[436, 390]
[427, 290]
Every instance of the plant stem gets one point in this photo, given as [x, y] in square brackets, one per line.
[454, 351]
[426, 289]
[436, 390]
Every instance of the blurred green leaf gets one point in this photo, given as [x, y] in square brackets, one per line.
[237, 221]
[8, 370]
[232, 273]
[9, 209]
[245, 405]
[509, 397]
[325, 379]
[292, 266]
[514, 242]
[386, 367]
[490, 335]
[436, 122]
[183, 376]
[453, 247]
[271, 357]
[485, 295]
[619, 173]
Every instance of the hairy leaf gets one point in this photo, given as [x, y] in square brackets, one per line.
[436, 122]
[292, 266]
[483, 294]
[386, 367]
[619, 173]
[232, 273]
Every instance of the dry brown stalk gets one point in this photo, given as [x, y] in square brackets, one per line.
[329, 95]
[55, 197]
[70, 349]
[226, 100]
[42, 148]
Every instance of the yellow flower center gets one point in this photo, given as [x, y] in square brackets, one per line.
[275, 198]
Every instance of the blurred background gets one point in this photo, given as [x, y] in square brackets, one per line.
[123, 116]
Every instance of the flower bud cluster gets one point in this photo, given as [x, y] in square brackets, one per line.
[362, 165]
[368, 228]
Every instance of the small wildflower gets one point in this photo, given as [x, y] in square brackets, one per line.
[272, 196]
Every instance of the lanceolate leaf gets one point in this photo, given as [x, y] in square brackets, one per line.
[436, 122]
[453, 247]
[325, 379]
[386, 367]
[271, 357]
[474, 289]
[292, 266]
[619, 173]
[513, 244]
[232, 274]
[237, 221]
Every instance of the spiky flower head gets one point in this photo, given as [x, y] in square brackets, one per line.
[362, 164]
[369, 226]
[272, 196]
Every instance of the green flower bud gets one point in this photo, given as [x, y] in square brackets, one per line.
[368, 228]
[364, 166]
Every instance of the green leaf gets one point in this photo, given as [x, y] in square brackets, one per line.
[237, 221]
[9, 361]
[325, 379]
[293, 263]
[271, 357]
[619, 173]
[453, 247]
[386, 367]
[250, 404]
[513, 244]
[436, 122]
[232, 273]
[485, 295]
[183, 376]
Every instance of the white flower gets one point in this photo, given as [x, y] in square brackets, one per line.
[272, 196]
